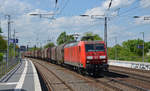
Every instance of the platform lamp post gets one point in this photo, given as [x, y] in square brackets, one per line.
[145, 18]
[143, 45]
[28, 45]
[15, 40]
[116, 48]
[8, 42]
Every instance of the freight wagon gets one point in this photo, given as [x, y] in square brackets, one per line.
[84, 56]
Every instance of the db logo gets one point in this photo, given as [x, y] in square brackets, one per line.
[96, 57]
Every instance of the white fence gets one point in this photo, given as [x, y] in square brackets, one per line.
[129, 64]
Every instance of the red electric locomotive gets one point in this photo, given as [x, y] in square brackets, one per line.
[90, 56]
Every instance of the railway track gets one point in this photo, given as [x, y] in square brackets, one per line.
[116, 88]
[48, 81]
[105, 83]
[109, 82]
[91, 81]
[141, 82]
[126, 84]
[134, 76]
[100, 81]
[131, 71]
[97, 83]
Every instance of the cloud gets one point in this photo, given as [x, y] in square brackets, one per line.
[13, 7]
[117, 3]
[30, 28]
[142, 20]
[95, 11]
[145, 3]
[103, 8]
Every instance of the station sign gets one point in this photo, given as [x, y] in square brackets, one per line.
[13, 40]
[140, 46]
[22, 48]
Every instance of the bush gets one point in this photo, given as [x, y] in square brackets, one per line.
[148, 59]
[1, 57]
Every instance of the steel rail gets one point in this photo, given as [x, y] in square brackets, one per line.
[98, 82]
[46, 81]
[94, 81]
[69, 87]
[127, 84]
[132, 75]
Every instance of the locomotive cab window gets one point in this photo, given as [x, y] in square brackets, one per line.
[94, 47]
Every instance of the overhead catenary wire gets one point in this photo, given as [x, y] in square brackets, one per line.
[124, 14]
[59, 10]
[130, 8]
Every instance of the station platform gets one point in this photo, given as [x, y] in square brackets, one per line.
[23, 77]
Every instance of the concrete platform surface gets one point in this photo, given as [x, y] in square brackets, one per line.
[25, 78]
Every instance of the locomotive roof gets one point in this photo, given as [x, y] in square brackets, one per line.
[86, 42]
[71, 44]
[93, 41]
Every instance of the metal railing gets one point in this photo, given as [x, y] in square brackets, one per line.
[132, 58]
[6, 66]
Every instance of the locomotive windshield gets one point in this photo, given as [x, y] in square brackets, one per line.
[94, 47]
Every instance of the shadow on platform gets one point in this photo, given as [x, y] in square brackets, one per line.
[110, 74]
[13, 90]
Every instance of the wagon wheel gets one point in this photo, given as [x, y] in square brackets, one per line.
[81, 71]
[96, 74]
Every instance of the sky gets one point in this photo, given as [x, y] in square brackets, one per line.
[33, 30]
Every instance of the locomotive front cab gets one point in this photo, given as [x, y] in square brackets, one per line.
[96, 56]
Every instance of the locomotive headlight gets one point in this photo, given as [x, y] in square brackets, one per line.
[102, 57]
[87, 61]
[104, 61]
[89, 57]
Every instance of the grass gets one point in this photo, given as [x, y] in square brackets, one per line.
[2, 66]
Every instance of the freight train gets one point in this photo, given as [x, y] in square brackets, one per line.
[84, 56]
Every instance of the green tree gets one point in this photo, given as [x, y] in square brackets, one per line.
[49, 45]
[90, 36]
[129, 50]
[1, 57]
[3, 43]
[148, 45]
[120, 53]
[132, 46]
[64, 38]
[1, 30]
[69, 38]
